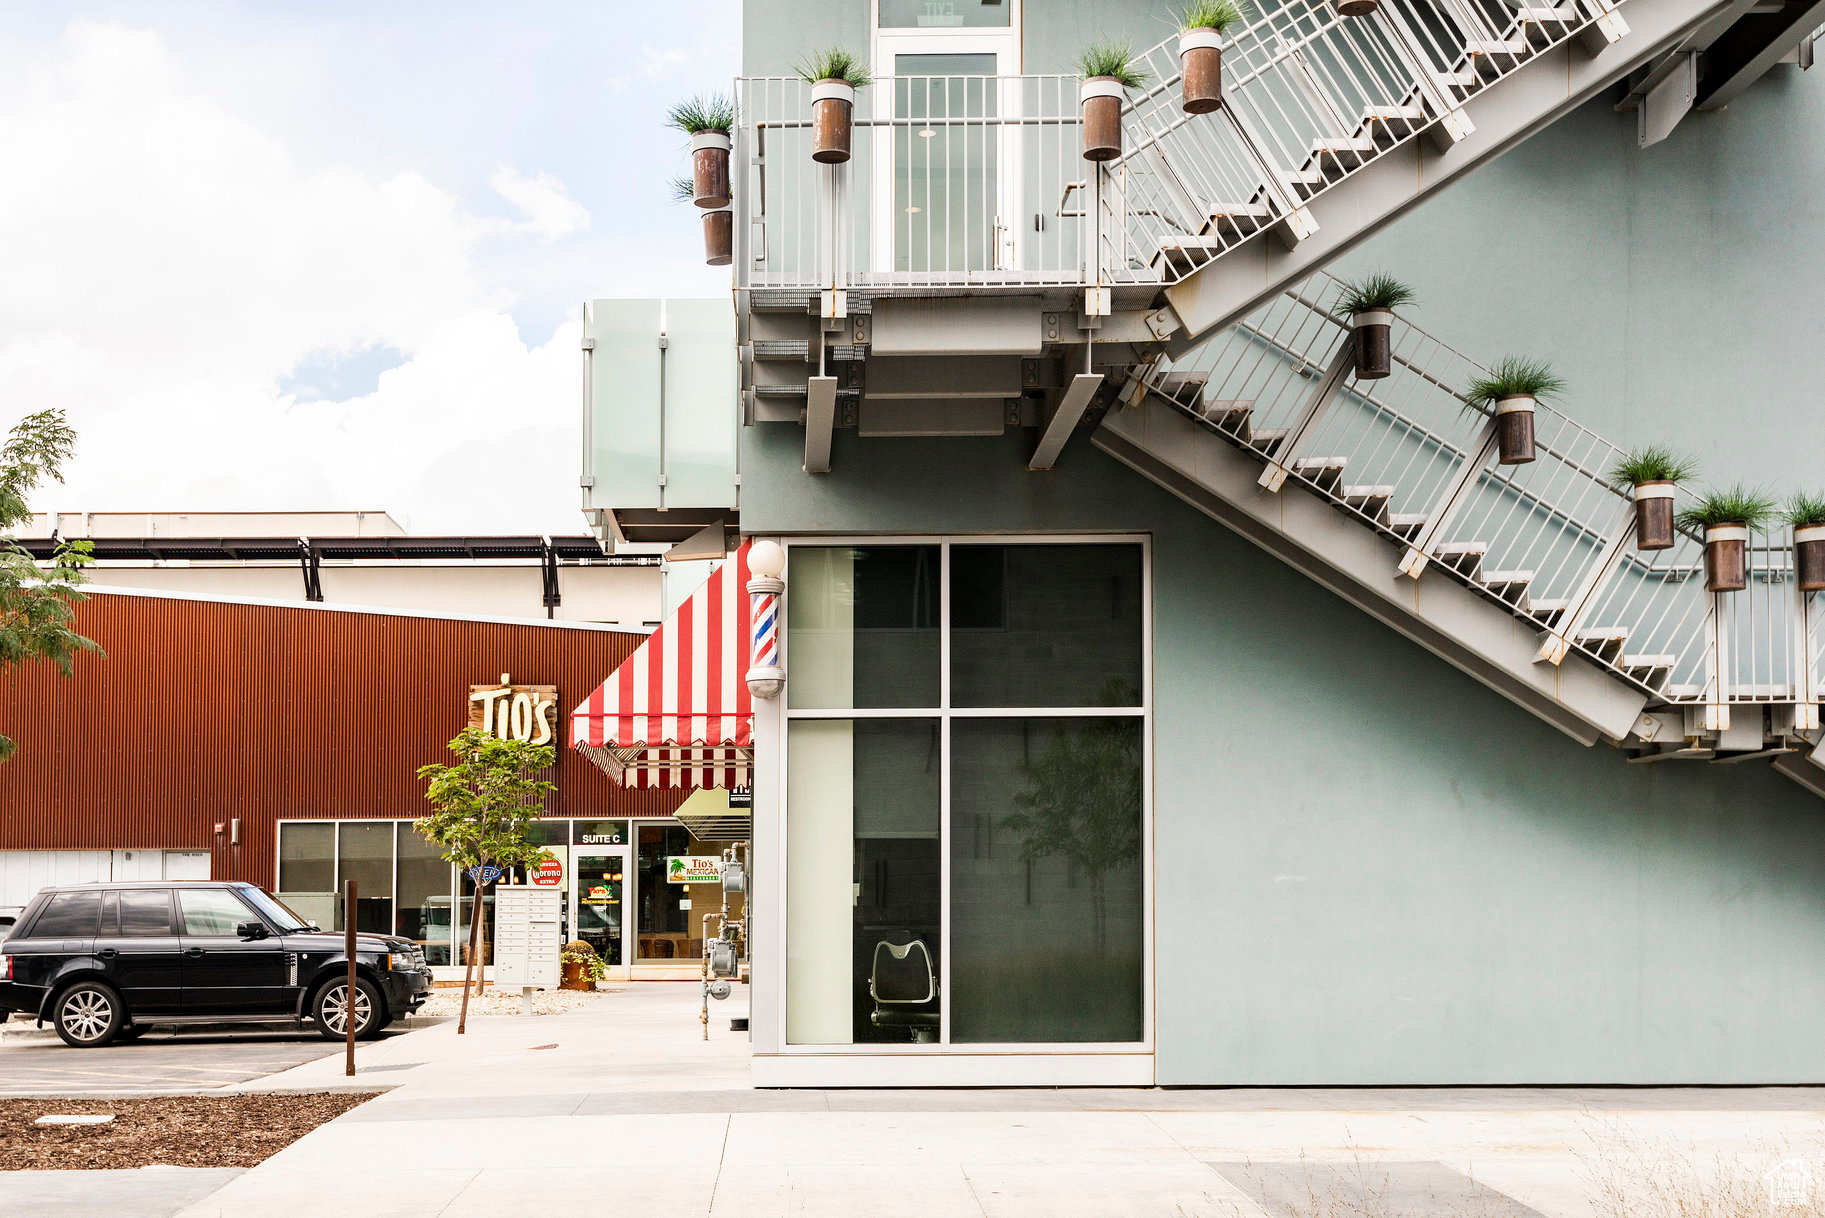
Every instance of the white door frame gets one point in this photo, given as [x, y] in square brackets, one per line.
[1003, 42]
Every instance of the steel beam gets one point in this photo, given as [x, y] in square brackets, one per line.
[1311, 413]
[820, 422]
[1064, 420]
[1742, 54]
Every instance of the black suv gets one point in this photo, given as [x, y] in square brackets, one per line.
[107, 961]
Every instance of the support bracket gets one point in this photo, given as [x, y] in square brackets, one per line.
[1064, 420]
[820, 422]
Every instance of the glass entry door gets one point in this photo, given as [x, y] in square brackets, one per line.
[598, 896]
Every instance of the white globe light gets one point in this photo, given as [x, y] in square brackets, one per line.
[766, 558]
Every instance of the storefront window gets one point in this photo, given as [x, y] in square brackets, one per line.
[1046, 906]
[864, 892]
[671, 914]
[1045, 625]
[424, 894]
[863, 626]
[364, 853]
[307, 869]
[1038, 934]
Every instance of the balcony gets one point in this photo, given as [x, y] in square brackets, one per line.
[976, 184]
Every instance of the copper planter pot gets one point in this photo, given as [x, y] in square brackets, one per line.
[1809, 556]
[710, 168]
[1654, 516]
[718, 237]
[1369, 335]
[1102, 97]
[1357, 8]
[832, 120]
[1201, 69]
[1514, 429]
[1726, 553]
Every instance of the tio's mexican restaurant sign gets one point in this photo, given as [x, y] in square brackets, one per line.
[515, 712]
[693, 869]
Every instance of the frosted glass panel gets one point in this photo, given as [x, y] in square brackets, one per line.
[820, 826]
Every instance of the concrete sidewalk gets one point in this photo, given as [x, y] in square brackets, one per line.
[626, 1105]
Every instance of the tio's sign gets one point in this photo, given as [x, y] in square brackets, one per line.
[515, 712]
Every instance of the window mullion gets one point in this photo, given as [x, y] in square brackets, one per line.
[944, 793]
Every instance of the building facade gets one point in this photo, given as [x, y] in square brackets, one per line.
[1166, 703]
[279, 744]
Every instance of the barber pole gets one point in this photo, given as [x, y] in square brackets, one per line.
[766, 562]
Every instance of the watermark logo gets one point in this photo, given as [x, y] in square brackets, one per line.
[1789, 1184]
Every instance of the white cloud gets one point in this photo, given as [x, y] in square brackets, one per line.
[550, 211]
[653, 65]
[167, 265]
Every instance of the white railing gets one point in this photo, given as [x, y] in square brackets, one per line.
[1551, 539]
[979, 181]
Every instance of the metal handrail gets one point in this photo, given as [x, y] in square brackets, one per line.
[1538, 528]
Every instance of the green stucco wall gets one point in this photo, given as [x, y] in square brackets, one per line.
[1371, 869]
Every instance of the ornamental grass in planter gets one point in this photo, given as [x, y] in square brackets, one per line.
[707, 119]
[1650, 474]
[1806, 513]
[1513, 389]
[718, 224]
[835, 74]
[1107, 71]
[1727, 516]
[1201, 29]
[1370, 303]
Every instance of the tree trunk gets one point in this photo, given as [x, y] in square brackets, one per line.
[462, 1014]
[481, 965]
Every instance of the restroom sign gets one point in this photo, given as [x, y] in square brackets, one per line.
[693, 869]
[515, 712]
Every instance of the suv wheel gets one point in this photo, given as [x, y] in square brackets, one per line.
[88, 1014]
[330, 1009]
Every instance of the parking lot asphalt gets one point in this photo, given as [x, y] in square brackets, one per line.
[37, 1063]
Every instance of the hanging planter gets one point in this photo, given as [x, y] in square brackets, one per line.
[1650, 474]
[718, 225]
[835, 75]
[707, 119]
[1727, 518]
[1370, 304]
[1512, 391]
[1201, 28]
[1806, 513]
[1107, 72]
[1357, 8]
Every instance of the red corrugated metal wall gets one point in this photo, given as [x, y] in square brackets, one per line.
[203, 712]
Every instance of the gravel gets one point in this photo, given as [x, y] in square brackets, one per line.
[443, 1003]
[177, 1131]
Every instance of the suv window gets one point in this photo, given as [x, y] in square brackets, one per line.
[212, 911]
[74, 915]
[145, 913]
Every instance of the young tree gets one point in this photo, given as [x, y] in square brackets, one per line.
[37, 602]
[483, 806]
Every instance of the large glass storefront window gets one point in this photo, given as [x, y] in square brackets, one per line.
[364, 853]
[1019, 918]
[424, 893]
[671, 908]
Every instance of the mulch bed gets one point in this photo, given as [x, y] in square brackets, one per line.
[183, 1131]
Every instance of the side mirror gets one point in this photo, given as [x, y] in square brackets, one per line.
[251, 930]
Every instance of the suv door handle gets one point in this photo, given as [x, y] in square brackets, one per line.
[193, 952]
[106, 953]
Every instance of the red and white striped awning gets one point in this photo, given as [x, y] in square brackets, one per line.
[677, 713]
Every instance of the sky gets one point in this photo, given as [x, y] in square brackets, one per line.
[333, 256]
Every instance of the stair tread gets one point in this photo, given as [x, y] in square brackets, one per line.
[1649, 661]
[1495, 46]
[1508, 577]
[1375, 491]
[1407, 518]
[1320, 462]
[1602, 634]
[1342, 143]
[1462, 547]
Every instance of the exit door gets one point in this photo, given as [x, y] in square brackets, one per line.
[598, 903]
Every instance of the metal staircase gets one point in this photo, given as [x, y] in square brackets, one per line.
[1525, 576]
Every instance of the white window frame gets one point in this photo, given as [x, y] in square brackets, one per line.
[1108, 1063]
[1003, 42]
